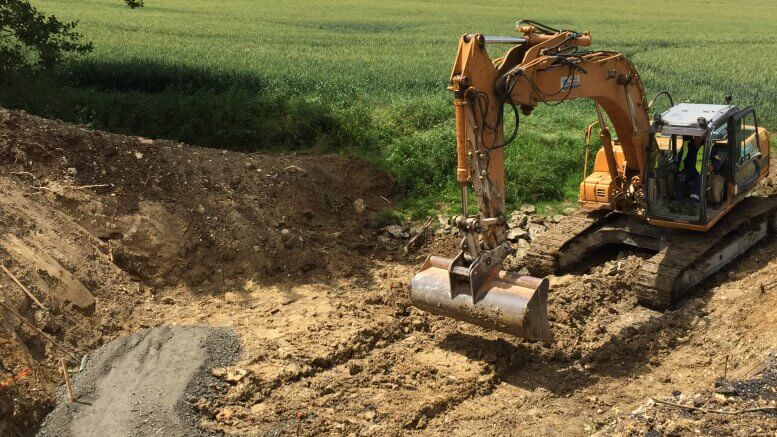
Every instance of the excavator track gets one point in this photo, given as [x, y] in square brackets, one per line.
[691, 257]
[681, 261]
[542, 257]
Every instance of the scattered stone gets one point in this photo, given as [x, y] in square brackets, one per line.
[285, 231]
[359, 206]
[518, 220]
[71, 171]
[235, 375]
[138, 155]
[516, 234]
[232, 297]
[167, 300]
[397, 231]
[535, 230]
[528, 209]
[354, 369]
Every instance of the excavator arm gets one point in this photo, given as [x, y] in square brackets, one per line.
[543, 66]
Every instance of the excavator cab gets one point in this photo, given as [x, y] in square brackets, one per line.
[704, 159]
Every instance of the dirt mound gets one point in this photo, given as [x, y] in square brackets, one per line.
[109, 231]
[170, 212]
[140, 384]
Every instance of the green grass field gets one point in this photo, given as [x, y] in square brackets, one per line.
[368, 78]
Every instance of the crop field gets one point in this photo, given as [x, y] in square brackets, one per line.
[368, 78]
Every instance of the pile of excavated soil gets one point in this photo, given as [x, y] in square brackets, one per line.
[140, 384]
[109, 231]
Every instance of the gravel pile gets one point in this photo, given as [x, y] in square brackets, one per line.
[138, 385]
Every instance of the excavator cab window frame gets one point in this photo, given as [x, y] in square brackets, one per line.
[738, 159]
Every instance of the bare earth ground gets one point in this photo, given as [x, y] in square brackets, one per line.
[280, 249]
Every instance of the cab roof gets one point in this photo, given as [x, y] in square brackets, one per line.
[683, 119]
[687, 114]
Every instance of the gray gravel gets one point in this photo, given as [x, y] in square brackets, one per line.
[138, 385]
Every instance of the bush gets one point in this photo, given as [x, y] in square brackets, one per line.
[28, 37]
[134, 3]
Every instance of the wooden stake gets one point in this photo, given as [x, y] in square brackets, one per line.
[707, 410]
[32, 296]
[36, 329]
[67, 380]
[416, 239]
[725, 370]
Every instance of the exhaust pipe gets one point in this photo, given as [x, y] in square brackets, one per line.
[496, 300]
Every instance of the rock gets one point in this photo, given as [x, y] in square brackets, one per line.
[535, 230]
[167, 300]
[359, 206]
[518, 220]
[397, 231]
[225, 414]
[293, 369]
[138, 155]
[516, 234]
[528, 209]
[71, 171]
[235, 375]
[521, 248]
[354, 369]
[610, 269]
[200, 209]
[232, 297]
[285, 231]
[556, 218]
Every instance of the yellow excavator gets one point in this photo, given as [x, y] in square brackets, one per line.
[676, 185]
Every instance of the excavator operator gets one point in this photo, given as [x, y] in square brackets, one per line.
[689, 172]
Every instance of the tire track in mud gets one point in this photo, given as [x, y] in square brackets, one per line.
[391, 389]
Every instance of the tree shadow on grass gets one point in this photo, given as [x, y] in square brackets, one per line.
[199, 106]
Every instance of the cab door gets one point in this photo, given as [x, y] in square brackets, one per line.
[746, 158]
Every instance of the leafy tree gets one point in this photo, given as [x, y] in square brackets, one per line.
[28, 37]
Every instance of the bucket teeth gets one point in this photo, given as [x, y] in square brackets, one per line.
[502, 301]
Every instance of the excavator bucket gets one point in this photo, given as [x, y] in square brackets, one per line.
[495, 299]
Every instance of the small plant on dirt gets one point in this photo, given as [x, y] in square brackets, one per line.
[29, 37]
[134, 3]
